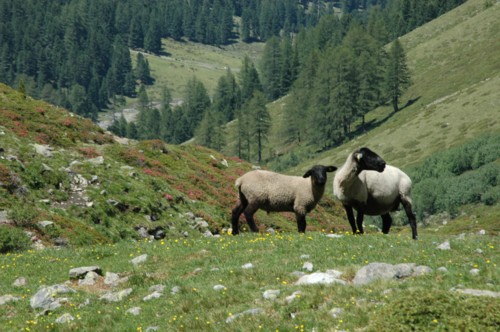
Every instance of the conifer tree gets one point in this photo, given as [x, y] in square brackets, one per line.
[249, 80]
[260, 121]
[397, 74]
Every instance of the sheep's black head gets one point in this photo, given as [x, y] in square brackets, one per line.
[318, 173]
[369, 160]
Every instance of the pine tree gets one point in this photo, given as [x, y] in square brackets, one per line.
[271, 68]
[260, 121]
[249, 80]
[227, 97]
[397, 74]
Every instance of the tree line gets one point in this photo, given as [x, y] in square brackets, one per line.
[334, 73]
[75, 53]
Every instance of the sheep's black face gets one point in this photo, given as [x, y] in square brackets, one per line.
[369, 160]
[318, 173]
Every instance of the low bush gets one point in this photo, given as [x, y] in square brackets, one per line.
[12, 239]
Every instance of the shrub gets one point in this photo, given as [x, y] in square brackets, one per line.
[23, 215]
[12, 239]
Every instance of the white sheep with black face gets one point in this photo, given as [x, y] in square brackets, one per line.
[370, 186]
[274, 192]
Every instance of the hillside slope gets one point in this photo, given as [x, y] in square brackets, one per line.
[455, 94]
[67, 181]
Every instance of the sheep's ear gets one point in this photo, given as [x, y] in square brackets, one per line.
[331, 168]
[308, 174]
[358, 156]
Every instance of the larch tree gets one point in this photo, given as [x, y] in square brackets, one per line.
[397, 74]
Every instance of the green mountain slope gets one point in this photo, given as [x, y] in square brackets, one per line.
[94, 187]
[455, 94]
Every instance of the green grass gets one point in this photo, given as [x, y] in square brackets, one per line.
[419, 303]
[185, 60]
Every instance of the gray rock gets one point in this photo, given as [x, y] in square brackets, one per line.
[90, 279]
[254, 311]
[45, 297]
[61, 242]
[65, 318]
[304, 256]
[19, 282]
[336, 312]
[478, 292]
[42, 299]
[330, 277]
[334, 236]
[308, 266]
[474, 272]
[157, 288]
[134, 311]
[7, 298]
[152, 328]
[152, 296]
[139, 259]
[289, 299]
[175, 290]
[43, 150]
[247, 266]
[96, 161]
[116, 296]
[271, 294]
[219, 287]
[444, 246]
[442, 269]
[374, 271]
[80, 272]
[45, 223]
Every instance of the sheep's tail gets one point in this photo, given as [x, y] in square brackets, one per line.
[237, 183]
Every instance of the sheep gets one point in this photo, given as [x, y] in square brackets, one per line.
[274, 192]
[370, 186]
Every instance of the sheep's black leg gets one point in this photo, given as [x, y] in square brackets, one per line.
[301, 223]
[411, 217]
[359, 222]
[386, 223]
[350, 217]
[251, 221]
[235, 216]
[236, 212]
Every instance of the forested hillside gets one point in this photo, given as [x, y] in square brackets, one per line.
[76, 53]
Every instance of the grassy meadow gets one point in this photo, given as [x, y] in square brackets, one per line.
[195, 266]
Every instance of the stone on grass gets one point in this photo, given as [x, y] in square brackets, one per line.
[254, 311]
[247, 266]
[65, 318]
[152, 296]
[444, 246]
[134, 311]
[375, 271]
[271, 294]
[139, 259]
[90, 279]
[336, 312]
[296, 294]
[80, 272]
[19, 282]
[334, 236]
[479, 292]
[45, 297]
[7, 298]
[219, 287]
[116, 296]
[321, 278]
[308, 266]
[175, 290]
[442, 269]
[474, 272]
[157, 288]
